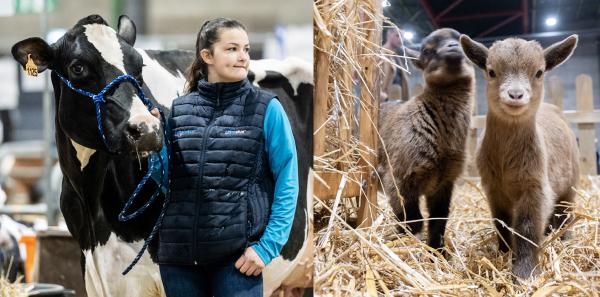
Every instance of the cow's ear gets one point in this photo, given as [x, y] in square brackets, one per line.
[127, 29]
[35, 48]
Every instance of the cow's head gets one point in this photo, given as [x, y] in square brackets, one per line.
[91, 55]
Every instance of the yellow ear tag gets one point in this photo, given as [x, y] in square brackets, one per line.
[30, 66]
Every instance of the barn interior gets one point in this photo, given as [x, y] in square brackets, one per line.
[546, 21]
[367, 252]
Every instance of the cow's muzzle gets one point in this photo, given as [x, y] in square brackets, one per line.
[145, 137]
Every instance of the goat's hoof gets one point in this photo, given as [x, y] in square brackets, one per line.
[524, 269]
[503, 248]
[443, 252]
[404, 229]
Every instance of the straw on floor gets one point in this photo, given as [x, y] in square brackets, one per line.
[378, 260]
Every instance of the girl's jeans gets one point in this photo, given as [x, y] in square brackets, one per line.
[218, 280]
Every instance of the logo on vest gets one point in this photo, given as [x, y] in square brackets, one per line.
[234, 132]
[184, 133]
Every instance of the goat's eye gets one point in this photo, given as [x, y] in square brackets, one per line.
[539, 73]
[77, 69]
[491, 73]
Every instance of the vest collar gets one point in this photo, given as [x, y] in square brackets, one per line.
[223, 92]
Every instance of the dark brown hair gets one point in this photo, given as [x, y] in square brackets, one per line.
[207, 36]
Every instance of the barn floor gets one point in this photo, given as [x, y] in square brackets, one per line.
[378, 260]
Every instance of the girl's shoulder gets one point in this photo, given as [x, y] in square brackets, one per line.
[188, 98]
[264, 95]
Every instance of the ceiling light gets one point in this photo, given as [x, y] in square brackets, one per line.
[551, 21]
[408, 35]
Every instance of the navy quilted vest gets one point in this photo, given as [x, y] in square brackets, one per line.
[221, 186]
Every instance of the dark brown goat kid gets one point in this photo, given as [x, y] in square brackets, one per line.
[425, 137]
[528, 157]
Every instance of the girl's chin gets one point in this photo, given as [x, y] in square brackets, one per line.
[233, 76]
[238, 75]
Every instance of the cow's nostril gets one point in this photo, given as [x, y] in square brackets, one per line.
[134, 131]
[515, 93]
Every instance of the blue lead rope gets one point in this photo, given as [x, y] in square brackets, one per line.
[162, 187]
[156, 162]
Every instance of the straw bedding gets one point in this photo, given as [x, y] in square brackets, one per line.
[379, 261]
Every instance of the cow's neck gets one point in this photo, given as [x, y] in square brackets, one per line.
[102, 188]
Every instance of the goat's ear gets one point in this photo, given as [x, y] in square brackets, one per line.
[414, 57]
[475, 51]
[127, 29]
[33, 48]
[559, 52]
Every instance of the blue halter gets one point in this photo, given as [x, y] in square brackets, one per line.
[160, 161]
[99, 99]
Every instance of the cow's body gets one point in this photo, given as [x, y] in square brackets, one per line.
[96, 183]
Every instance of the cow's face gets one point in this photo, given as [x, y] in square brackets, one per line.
[91, 55]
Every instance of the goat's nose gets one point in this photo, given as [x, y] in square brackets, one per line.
[452, 44]
[515, 93]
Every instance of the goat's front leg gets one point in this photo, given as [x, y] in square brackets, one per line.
[502, 213]
[528, 222]
[408, 209]
[439, 207]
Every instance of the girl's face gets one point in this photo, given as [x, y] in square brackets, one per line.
[229, 59]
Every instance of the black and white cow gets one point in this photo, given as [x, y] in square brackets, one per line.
[97, 182]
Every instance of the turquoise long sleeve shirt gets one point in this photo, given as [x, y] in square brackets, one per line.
[283, 161]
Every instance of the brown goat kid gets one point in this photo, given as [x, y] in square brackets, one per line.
[425, 137]
[528, 157]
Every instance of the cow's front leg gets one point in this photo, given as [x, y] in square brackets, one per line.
[528, 222]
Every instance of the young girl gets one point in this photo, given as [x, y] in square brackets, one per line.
[234, 176]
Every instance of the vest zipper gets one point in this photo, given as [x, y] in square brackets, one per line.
[218, 94]
[202, 157]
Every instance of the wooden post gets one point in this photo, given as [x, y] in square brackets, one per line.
[556, 91]
[321, 87]
[587, 135]
[472, 143]
[333, 179]
[346, 108]
[368, 120]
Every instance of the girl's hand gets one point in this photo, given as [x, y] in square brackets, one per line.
[155, 113]
[250, 263]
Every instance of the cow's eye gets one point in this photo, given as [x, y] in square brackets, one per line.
[77, 69]
[491, 73]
